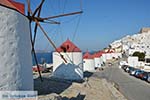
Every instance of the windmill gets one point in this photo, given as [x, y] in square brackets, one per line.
[35, 17]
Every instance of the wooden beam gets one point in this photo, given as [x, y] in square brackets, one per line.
[63, 15]
[51, 42]
[38, 8]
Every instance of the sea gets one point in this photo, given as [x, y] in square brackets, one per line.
[42, 57]
[47, 57]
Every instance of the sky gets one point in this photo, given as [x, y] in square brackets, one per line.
[102, 21]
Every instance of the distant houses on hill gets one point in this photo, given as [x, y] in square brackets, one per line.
[137, 42]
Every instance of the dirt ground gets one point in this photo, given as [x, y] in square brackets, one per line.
[90, 89]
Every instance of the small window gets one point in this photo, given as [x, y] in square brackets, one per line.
[63, 48]
[147, 60]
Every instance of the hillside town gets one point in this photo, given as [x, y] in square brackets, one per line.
[139, 42]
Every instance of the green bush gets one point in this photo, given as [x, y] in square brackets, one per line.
[140, 55]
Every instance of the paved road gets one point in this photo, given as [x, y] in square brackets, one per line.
[131, 87]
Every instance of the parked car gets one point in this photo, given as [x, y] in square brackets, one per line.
[123, 63]
[130, 69]
[144, 76]
[138, 73]
[124, 67]
[148, 77]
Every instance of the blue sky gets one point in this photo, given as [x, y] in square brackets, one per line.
[102, 22]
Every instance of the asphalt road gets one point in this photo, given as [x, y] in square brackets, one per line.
[131, 87]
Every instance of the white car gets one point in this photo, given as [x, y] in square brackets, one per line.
[122, 63]
[119, 66]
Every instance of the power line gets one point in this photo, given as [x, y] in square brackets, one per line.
[64, 6]
[77, 26]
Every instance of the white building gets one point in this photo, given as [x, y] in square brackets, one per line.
[97, 59]
[119, 55]
[131, 51]
[108, 55]
[114, 55]
[116, 44]
[15, 52]
[147, 63]
[137, 42]
[103, 57]
[89, 64]
[73, 69]
[132, 61]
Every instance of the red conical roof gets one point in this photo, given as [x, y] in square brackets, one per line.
[14, 5]
[68, 46]
[87, 55]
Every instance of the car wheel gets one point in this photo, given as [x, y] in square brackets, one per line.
[148, 79]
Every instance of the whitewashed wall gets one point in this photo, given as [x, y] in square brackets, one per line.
[132, 61]
[125, 47]
[119, 55]
[73, 70]
[104, 58]
[89, 65]
[108, 56]
[147, 68]
[141, 64]
[15, 51]
[101, 60]
[97, 62]
[115, 55]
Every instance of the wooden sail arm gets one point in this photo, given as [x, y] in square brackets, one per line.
[35, 28]
[62, 15]
[41, 20]
[38, 8]
[51, 22]
[33, 50]
[29, 9]
[51, 42]
[57, 16]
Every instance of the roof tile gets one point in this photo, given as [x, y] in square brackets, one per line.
[14, 5]
[68, 46]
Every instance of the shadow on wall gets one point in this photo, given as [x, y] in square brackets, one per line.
[87, 74]
[79, 97]
[50, 85]
[69, 71]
